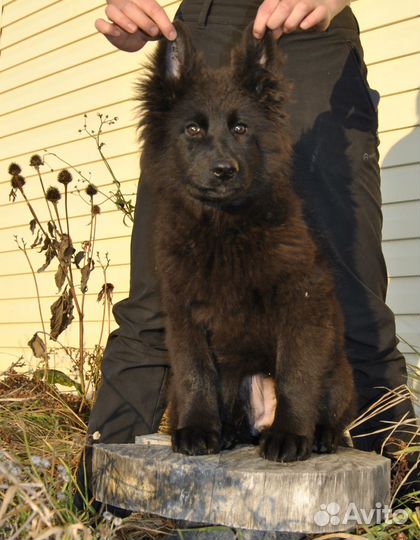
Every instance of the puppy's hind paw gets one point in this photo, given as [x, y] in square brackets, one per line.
[285, 447]
[194, 441]
[228, 436]
[326, 440]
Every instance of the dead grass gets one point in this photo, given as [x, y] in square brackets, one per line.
[41, 435]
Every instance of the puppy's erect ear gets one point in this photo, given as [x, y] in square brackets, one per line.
[169, 74]
[257, 66]
[175, 59]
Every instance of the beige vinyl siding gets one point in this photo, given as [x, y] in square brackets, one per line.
[54, 67]
[390, 36]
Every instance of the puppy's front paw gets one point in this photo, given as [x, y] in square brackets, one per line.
[284, 446]
[195, 441]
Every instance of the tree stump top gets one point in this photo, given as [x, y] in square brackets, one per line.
[238, 488]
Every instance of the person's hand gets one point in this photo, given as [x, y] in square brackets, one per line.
[132, 23]
[285, 16]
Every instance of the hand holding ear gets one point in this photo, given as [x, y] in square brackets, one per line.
[285, 16]
[132, 23]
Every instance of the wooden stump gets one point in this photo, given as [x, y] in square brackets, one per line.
[238, 488]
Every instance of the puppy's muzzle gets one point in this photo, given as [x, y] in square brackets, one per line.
[224, 169]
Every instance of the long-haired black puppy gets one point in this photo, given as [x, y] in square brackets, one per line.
[243, 287]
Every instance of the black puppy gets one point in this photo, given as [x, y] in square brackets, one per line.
[243, 286]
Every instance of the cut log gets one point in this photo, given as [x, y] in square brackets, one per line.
[228, 533]
[239, 489]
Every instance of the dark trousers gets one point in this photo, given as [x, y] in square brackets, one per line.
[334, 129]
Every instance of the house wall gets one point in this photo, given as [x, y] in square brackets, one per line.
[55, 67]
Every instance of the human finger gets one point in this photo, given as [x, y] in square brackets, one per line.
[120, 38]
[158, 15]
[278, 18]
[106, 28]
[141, 19]
[298, 14]
[263, 14]
[320, 19]
[116, 15]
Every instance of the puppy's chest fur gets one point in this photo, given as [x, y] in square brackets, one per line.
[240, 284]
[235, 280]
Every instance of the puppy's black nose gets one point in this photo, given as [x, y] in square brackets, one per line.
[225, 169]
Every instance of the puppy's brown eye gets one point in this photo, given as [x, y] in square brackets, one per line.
[240, 128]
[193, 129]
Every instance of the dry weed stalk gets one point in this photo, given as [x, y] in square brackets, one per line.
[54, 238]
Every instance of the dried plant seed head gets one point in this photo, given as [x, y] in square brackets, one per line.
[36, 161]
[64, 177]
[53, 195]
[17, 181]
[14, 169]
[91, 190]
[96, 209]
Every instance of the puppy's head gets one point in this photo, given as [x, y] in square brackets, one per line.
[218, 135]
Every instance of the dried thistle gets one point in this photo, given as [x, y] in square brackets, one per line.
[14, 169]
[91, 190]
[17, 181]
[53, 195]
[61, 314]
[38, 346]
[106, 293]
[50, 253]
[85, 274]
[36, 161]
[96, 209]
[64, 177]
